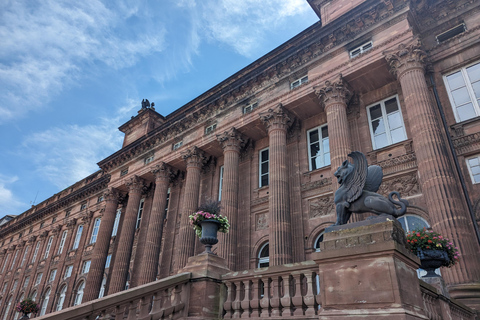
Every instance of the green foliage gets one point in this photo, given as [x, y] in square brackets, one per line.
[428, 240]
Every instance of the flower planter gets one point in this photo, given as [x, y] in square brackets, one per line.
[209, 233]
[431, 260]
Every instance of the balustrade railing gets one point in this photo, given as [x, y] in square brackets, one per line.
[164, 299]
[289, 291]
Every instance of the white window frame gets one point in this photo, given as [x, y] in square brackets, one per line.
[96, 227]
[116, 222]
[260, 162]
[46, 297]
[78, 236]
[61, 298]
[86, 266]
[14, 259]
[68, 271]
[321, 150]
[149, 159]
[250, 107]
[33, 296]
[210, 129]
[100, 198]
[298, 82]
[35, 253]
[317, 248]
[26, 281]
[470, 170]
[364, 47]
[49, 246]
[83, 206]
[469, 87]
[140, 213]
[385, 121]
[177, 145]
[79, 295]
[101, 293]
[262, 260]
[38, 279]
[108, 261]
[24, 258]
[62, 242]
[220, 183]
[52, 276]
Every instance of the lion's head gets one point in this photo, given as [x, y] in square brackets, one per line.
[343, 171]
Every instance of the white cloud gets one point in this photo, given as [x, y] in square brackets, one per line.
[9, 204]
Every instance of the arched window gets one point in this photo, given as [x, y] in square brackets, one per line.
[7, 308]
[317, 242]
[33, 296]
[102, 287]
[264, 256]
[17, 314]
[61, 298]
[412, 222]
[79, 295]
[46, 297]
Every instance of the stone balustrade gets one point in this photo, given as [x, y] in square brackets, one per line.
[287, 291]
[164, 299]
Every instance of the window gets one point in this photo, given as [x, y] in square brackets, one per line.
[49, 245]
[24, 258]
[250, 108]
[319, 240]
[444, 36]
[102, 287]
[361, 49]
[386, 123]
[411, 222]
[53, 273]
[263, 168]
[463, 88]
[220, 184]
[148, 159]
[61, 298]
[76, 243]
[107, 262]
[16, 312]
[264, 256]
[298, 82]
[46, 297]
[473, 165]
[177, 145]
[68, 272]
[38, 279]
[83, 206]
[33, 296]
[123, 172]
[62, 242]
[5, 262]
[54, 219]
[25, 282]
[7, 309]
[318, 147]
[166, 204]
[139, 215]
[127, 283]
[86, 266]
[100, 198]
[96, 226]
[116, 222]
[37, 247]
[210, 129]
[5, 285]
[79, 295]
[67, 213]
[15, 284]
[14, 259]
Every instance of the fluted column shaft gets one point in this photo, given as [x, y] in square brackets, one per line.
[277, 121]
[231, 142]
[335, 96]
[149, 262]
[186, 239]
[100, 252]
[445, 203]
[124, 249]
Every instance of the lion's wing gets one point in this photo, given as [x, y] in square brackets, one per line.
[354, 185]
[374, 178]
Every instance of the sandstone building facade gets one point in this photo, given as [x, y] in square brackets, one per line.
[398, 80]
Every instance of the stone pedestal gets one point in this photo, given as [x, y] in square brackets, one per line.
[207, 291]
[366, 271]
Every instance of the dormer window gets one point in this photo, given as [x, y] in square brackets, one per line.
[210, 129]
[177, 145]
[299, 82]
[361, 49]
[250, 108]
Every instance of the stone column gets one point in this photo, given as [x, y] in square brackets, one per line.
[100, 252]
[194, 157]
[277, 120]
[121, 264]
[232, 142]
[334, 97]
[445, 203]
[149, 261]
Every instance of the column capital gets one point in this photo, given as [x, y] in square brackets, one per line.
[71, 223]
[277, 118]
[163, 171]
[407, 56]
[135, 184]
[231, 140]
[21, 244]
[336, 91]
[111, 194]
[12, 248]
[44, 234]
[57, 229]
[194, 157]
[32, 239]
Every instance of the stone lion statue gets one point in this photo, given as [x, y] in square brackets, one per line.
[357, 192]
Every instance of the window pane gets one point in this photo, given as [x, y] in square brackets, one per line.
[326, 146]
[460, 96]
[327, 159]
[415, 223]
[324, 132]
[315, 164]
[264, 167]
[378, 126]
[474, 72]
[391, 105]
[381, 141]
[375, 112]
[264, 181]
[314, 149]
[313, 136]
[264, 155]
[395, 120]
[466, 112]
[475, 170]
[455, 80]
[476, 178]
[397, 135]
[473, 162]
[476, 89]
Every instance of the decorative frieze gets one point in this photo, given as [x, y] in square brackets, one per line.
[261, 221]
[398, 164]
[407, 185]
[467, 144]
[325, 184]
[322, 206]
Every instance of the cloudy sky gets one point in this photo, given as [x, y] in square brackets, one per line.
[71, 72]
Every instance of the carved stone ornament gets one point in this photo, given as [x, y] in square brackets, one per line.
[194, 157]
[87, 217]
[22, 244]
[71, 223]
[163, 171]
[261, 221]
[111, 194]
[407, 185]
[57, 229]
[135, 184]
[32, 239]
[334, 92]
[43, 235]
[12, 248]
[406, 57]
[277, 118]
[231, 140]
[321, 207]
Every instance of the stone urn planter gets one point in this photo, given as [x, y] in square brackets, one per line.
[209, 233]
[24, 317]
[431, 260]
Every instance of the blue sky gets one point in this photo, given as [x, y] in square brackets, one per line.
[71, 72]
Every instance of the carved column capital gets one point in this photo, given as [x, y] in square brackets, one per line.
[32, 239]
[277, 118]
[336, 91]
[44, 234]
[406, 57]
[71, 223]
[57, 229]
[231, 140]
[135, 184]
[12, 248]
[194, 157]
[112, 194]
[21, 244]
[163, 171]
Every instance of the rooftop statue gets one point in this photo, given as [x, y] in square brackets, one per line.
[357, 192]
